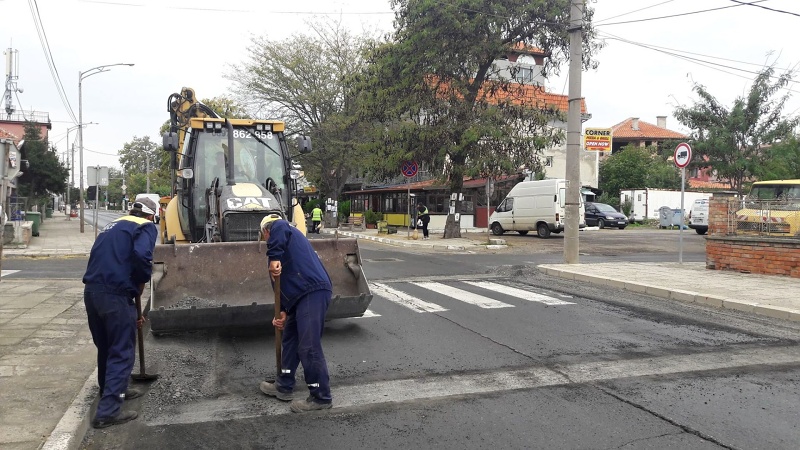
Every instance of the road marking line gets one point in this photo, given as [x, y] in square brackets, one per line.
[462, 295]
[244, 406]
[369, 313]
[7, 272]
[401, 298]
[519, 293]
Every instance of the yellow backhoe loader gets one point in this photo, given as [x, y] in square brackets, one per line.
[210, 269]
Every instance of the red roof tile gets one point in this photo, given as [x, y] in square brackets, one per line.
[534, 97]
[624, 130]
[697, 184]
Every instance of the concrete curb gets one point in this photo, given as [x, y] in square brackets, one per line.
[677, 294]
[398, 243]
[74, 424]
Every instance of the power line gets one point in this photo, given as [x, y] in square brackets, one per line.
[698, 61]
[37, 20]
[634, 11]
[680, 14]
[766, 7]
[653, 46]
[248, 11]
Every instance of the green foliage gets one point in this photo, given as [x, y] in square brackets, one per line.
[46, 174]
[626, 207]
[609, 200]
[732, 141]
[372, 217]
[307, 81]
[311, 204]
[441, 100]
[636, 167]
[133, 157]
[344, 209]
[782, 161]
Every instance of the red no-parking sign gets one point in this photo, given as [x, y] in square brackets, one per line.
[409, 168]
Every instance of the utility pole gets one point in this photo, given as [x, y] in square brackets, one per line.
[148, 173]
[573, 172]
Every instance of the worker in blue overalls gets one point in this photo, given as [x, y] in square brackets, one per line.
[306, 291]
[120, 263]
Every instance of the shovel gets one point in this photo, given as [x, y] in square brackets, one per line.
[142, 375]
[278, 333]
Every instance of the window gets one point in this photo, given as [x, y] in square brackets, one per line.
[524, 74]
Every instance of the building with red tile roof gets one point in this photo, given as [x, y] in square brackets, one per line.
[638, 132]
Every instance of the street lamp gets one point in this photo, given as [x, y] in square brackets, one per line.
[81, 76]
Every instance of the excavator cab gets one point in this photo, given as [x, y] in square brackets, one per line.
[210, 269]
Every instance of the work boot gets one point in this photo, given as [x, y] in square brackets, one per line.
[272, 390]
[309, 404]
[131, 394]
[122, 417]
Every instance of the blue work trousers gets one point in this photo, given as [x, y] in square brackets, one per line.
[112, 321]
[302, 343]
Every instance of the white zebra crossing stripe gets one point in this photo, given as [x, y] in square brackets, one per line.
[401, 298]
[462, 295]
[370, 313]
[7, 272]
[519, 293]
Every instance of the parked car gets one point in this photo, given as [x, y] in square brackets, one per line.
[603, 215]
[698, 216]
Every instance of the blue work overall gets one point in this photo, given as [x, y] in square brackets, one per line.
[112, 321]
[301, 343]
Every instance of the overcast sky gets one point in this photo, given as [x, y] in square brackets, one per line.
[176, 43]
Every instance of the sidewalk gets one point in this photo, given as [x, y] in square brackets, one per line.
[57, 237]
[47, 357]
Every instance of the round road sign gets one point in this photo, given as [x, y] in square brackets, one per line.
[409, 168]
[683, 154]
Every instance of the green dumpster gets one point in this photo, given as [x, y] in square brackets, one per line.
[49, 213]
[36, 218]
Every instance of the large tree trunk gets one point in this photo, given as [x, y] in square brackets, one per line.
[452, 228]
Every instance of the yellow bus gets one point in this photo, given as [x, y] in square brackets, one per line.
[771, 208]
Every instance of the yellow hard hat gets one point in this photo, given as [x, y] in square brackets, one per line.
[267, 221]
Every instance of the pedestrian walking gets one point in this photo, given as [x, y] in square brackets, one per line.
[120, 263]
[423, 219]
[316, 219]
[306, 291]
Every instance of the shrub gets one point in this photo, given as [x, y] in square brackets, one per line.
[372, 217]
[344, 210]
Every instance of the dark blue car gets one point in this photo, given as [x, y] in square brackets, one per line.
[603, 215]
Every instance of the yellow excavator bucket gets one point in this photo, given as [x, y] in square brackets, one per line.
[226, 284]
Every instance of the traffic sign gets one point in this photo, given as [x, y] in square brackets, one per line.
[409, 168]
[683, 155]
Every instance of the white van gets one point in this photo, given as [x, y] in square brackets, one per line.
[533, 205]
[698, 216]
[157, 200]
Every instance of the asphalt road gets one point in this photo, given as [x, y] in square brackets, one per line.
[481, 351]
[558, 365]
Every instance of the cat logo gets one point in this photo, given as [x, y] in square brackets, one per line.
[248, 203]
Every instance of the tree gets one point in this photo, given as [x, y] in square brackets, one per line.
[732, 141]
[636, 167]
[442, 100]
[46, 174]
[782, 161]
[306, 81]
[133, 157]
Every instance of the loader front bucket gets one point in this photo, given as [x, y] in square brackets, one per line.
[226, 284]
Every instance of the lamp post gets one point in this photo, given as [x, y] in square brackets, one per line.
[81, 76]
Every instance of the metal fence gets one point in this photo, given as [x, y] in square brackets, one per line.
[758, 217]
